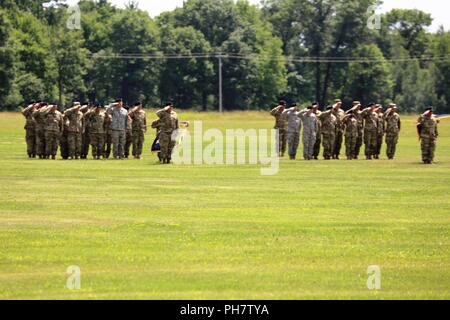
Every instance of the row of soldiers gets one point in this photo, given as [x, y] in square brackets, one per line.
[357, 126]
[107, 129]
[82, 126]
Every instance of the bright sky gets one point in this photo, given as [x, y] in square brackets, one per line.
[439, 9]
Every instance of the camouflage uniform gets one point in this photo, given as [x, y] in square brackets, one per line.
[370, 132]
[64, 142]
[128, 138]
[310, 129]
[53, 126]
[380, 135]
[30, 131]
[119, 125]
[107, 136]
[293, 131]
[96, 120]
[281, 126]
[428, 136]
[40, 133]
[169, 123]
[393, 126]
[86, 135]
[359, 138]
[318, 136]
[329, 122]
[139, 128]
[75, 130]
[351, 125]
[339, 114]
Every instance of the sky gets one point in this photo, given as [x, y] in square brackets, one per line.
[439, 9]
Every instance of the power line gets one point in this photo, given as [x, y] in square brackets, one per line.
[258, 57]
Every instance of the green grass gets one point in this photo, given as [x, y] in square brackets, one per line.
[140, 230]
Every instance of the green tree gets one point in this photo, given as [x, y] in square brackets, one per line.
[369, 80]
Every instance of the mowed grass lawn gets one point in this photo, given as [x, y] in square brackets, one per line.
[140, 230]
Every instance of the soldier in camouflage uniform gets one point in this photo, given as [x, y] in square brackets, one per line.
[380, 131]
[96, 121]
[64, 141]
[108, 136]
[339, 114]
[319, 131]
[75, 135]
[351, 127]
[53, 126]
[292, 116]
[329, 122]
[119, 125]
[370, 130]
[138, 129]
[428, 132]
[40, 131]
[85, 137]
[310, 129]
[169, 123]
[30, 129]
[281, 126]
[393, 127]
[128, 135]
[356, 110]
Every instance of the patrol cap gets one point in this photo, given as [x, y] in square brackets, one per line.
[392, 105]
[329, 108]
[337, 101]
[356, 103]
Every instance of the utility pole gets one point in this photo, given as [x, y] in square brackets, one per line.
[220, 83]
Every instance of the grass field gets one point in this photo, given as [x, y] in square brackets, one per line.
[139, 230]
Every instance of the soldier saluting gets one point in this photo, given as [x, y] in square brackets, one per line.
[428, 133]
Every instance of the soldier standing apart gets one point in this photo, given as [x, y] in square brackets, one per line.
[370, 130]
[30, 129]
[40, 130]
[319, 131]
[351, 126]
[139, 128]
[118, 126]
[281, 126]
[393, 127]
[428, 133]
[169, 123]
[310, 129]
[356, 110]
[75, 136]
[293, 129]
[329, 122]
[54, 126]
[96, 122]
[339, 114]
[380, 131]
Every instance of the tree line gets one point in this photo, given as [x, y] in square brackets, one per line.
[295, 50]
